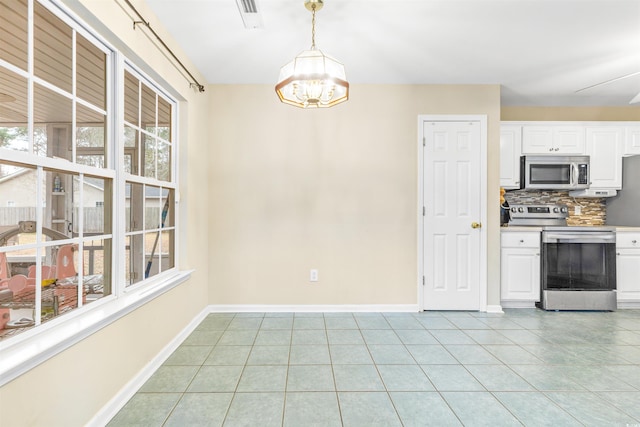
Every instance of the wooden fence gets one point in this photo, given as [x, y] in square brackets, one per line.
[93, 217]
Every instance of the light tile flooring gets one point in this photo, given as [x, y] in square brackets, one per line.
[525, 367]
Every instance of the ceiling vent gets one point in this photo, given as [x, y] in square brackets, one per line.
[250, 14]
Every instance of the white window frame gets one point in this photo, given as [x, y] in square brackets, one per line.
[23, 352]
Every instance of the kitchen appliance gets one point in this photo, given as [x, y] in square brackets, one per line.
[622, 210]
[554, 172]
[578, 264]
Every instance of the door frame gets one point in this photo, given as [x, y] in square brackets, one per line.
[482, 120]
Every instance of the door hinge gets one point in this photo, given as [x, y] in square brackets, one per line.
[424, 211]
[424, 141]
[422, 280]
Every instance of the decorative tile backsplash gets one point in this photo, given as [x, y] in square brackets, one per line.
[594, 210]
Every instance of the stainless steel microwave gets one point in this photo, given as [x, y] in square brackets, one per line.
[554, 172]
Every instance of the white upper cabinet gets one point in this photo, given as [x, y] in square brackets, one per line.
[604, 147]
[632, 141]
[553, 139]
[510, 151]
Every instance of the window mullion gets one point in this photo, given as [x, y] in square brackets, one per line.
[30, 66]
[39, 219]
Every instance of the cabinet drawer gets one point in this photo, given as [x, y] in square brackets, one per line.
[520, 240]
[627, 239]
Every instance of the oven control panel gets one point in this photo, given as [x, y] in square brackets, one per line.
[538, 215]
[539, 211]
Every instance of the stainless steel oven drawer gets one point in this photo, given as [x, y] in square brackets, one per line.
[579, 300]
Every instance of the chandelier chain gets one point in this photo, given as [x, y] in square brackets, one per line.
[313, 27]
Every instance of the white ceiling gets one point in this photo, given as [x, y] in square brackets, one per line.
[540, 51]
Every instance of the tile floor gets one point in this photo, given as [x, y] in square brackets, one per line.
[524, 367]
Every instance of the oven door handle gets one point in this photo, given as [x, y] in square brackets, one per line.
[550, 237]
[574, 175]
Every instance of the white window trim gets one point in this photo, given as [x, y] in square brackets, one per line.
[31, 348]
[23, 352]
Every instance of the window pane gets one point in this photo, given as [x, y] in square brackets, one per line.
[131, 150]
[52, 48]
[90, 137]
[149, 147]
[134, 257]
[62, 295]
[90, 131]
[17, 311]
[52, 112]
[152, 254]
[164, 160]
[96, 205]
[130, 137]
[131, 99]
[17, 200]
[13, 111]
[134, 206]
[13, 32]
[96, 160]
[152, 207]
[59, 202]
[164, 119]
[91, 66]
[97, 269]
[148, 117]
[168, 204]
[168, 258]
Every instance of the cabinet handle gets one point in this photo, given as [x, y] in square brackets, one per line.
[634, 241]
[550, 149]
[557, 149]
[618, 253]
[537, 254]
[521, 241]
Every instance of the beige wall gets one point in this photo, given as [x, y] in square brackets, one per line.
[335, 190]
[69, 389]
[571, 113]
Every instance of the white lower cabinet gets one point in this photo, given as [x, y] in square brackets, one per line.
[628, 268]
[519, 269]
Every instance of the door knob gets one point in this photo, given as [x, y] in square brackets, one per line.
[476, 225]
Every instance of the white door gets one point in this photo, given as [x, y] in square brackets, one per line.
[452, 215]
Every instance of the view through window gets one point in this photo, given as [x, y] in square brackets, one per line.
[61, 161]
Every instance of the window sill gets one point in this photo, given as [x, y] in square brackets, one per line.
[28, 350]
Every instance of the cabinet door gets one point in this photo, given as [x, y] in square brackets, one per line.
[568, 140]
[520, 274]
[553, 139]
[632, 141]
[604, 146]
[628, 272]
[510, 151]
[537, 140]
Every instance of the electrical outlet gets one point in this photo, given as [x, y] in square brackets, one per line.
[313, 275]
[577, 210]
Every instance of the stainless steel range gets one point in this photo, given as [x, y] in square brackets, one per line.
[578, 264]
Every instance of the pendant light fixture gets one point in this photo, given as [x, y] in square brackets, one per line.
[313, 79]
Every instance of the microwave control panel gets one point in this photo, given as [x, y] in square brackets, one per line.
[583, 173]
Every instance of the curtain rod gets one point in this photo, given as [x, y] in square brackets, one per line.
[146, 24]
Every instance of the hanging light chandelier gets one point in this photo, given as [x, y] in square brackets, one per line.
[313, 79]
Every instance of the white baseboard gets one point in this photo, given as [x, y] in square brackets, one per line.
[109, 410]
[267, 308]
[629, 304]
[518, 304]
[494, 309]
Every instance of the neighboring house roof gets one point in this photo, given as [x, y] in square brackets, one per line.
[16, 174]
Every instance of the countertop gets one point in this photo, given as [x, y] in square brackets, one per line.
[625, 228]
[522, 228]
